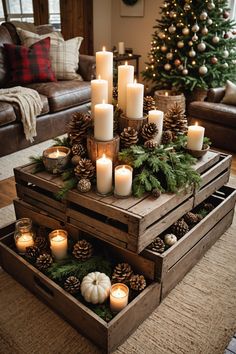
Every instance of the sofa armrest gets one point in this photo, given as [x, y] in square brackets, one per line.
[87, 67]
[215, 94]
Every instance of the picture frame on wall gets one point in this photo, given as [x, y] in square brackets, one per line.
[131, 8]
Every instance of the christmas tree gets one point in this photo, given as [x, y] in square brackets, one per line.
[193, 46]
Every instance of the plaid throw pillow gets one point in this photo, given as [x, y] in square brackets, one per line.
[31, 64]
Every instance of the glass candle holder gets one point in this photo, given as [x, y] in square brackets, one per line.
[119, 295]
[59, 243]
[123, 181]
[56, 158]
[24, 235]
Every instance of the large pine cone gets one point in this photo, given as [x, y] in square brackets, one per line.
[41, 242]
[129, 137]
[148, 104]
[78, 149]
[44, 261]
[175, 120]
[167, 137]
[72, 285]
[32, 253]
[179, 228]
[122, 273]
[157, 245]
[78, 127]
[83, 250]
[85, 169]
[149, 131]
[137, 282]
[191, 218]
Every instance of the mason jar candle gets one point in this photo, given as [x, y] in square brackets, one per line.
[24, 235]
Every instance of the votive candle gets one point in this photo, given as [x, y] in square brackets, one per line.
[58, 243]
[119, 295]
[104, 175]
[195, 137]
[24, 241]
[123, 180]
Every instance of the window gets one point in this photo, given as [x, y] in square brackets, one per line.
[54, 13]
[2, 19]
[20, 10]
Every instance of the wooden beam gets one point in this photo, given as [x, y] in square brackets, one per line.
[41, 12]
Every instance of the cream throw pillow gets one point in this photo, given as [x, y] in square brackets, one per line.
[28, 38]
[230, 93]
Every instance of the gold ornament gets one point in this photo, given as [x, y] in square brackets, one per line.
[185, 31]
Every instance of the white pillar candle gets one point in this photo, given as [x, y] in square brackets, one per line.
[125, 76]
[195, 137]
[58, 243]
[121, 48]
[104, 68]
[99, 92]
[134, 100]
[26, 240]
[103, 121]
[123, 180]
[104, 175]
[155, 116]
[119, 295]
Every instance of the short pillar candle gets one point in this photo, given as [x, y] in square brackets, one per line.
[125, 76]
[195, 137]
[99, 92]
[59, 243]
[119, 295]
[123, 181]
[155, 116]
[134, 100]
[104, 175]
[103, 122]
[104, 68]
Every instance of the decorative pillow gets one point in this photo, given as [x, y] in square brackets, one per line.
[230, 93]
[65, 59]
[28, 38]
[28, 65]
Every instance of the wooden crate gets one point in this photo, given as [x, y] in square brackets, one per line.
[130, 223]
[108, 336]
[174, 263]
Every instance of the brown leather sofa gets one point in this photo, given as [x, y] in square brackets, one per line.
[219, 119]
[60, 99]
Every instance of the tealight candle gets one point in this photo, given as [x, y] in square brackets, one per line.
[104, 175]
[58, 243]
[56, 154]
[134, 100]
[24, 236]
[123, 181]
[125, 76]
[99, 92]
[119, 295]
[155, 116]
[104, 68]
[195, 137]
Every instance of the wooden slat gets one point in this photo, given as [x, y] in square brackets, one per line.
[208, 160]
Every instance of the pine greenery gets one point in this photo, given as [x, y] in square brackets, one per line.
[62, 142]
[38, 161]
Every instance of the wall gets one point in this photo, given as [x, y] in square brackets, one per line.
[102, 24]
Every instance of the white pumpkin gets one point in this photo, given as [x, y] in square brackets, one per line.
[95, 287]
[170, 239]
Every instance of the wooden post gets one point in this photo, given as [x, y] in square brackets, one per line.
[125, 122]
[97, 148]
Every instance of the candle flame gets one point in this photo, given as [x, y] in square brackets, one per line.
[103, 101]
[166, 94]
[57, 153]
[126, 63]
[99, 77]
[104, 156]
[196, 123]
[135, 81]
[103, 48]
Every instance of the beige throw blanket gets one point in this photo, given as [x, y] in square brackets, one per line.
[30, 105]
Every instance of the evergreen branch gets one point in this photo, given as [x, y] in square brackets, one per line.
[62, 142]
[38, 161]
[68, 185]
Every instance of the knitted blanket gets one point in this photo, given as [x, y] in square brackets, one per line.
[30, 106]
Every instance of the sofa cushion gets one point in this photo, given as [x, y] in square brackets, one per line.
[28, 38]
[45, 108]
[7, 114]
[218, 113]
[4, 38]
[230, 93]
[64, 94]
[31, 64]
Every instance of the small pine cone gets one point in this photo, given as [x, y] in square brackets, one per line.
[156, 193]
[72, 285]
[85, 169]
[149, 131]
[78, 149]
[157, 245]
[137, 282]
[148, 104]
[84, 185]
[122, 273]
[41, 242]
[82, 250]
[208, 207]
[129, 137]
[32, 253]
[179, 228]
[115, 93]
[167, 137]
[191, 218]
[44, 261]
[150, 144]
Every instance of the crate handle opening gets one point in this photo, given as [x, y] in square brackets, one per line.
[43, 287]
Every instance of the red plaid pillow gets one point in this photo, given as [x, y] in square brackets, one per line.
[29, 64]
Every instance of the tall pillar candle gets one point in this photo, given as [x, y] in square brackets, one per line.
[99, 92]
[103, 122]
[123, 181]
[121, 48]
[155, 116]
[104, 68]
[104, 175]
[195, 137]
[125, 76]
[134, 103]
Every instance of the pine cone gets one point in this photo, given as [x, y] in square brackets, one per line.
[149, 131]
[72, 285]
[179, 228]
[137, 282]
[175, 120]
[78, 127]
[75, 160]
[122, 273]
[191, 218]
[115, 93]
[85, 169]
[150, 144]
[148, 104]
[32, 253]
[167, 137]
[44, 261]
[208, 207]
[156, 193]
[157, 245]
[78, 149]
[84, 185]
[41, 242]
[129, 137]
[82, 250]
